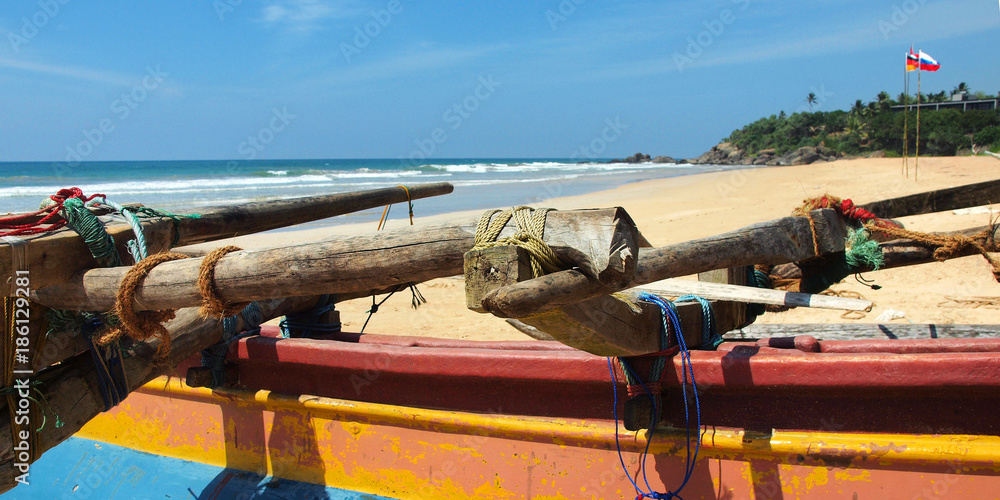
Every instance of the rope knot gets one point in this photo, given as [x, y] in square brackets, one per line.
[213, 303]
[530, 224]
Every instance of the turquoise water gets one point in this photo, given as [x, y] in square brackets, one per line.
[187, 185]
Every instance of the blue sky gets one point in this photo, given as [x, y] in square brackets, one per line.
[187, 79]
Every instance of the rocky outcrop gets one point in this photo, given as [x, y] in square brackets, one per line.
[664, 159]
[729, 154]
[725, 153]
[636, 158]
[805, 155]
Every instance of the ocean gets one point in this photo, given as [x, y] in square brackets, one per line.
[185, 186]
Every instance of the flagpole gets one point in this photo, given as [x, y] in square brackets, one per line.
[906, 114]
[916, 161]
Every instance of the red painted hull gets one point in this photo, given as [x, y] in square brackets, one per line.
[927, 386]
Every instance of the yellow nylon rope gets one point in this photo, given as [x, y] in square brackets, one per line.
[530, 230]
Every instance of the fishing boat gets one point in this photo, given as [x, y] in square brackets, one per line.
[309, 411]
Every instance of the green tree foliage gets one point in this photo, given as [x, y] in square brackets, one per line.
[874, 126]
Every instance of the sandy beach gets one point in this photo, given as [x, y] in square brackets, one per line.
[682, 208]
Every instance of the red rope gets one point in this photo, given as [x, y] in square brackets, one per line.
[847, 208]
[18, 225]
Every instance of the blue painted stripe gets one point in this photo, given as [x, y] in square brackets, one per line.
[86, 469]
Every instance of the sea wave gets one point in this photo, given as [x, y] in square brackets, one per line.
[486, 168]
[217, 184]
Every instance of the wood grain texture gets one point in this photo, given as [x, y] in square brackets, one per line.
[774, 242]
[857, 331]
[340, 265]
[753, 295]
[970, 195]
[54, 257]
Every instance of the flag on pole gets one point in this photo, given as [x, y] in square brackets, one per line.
[927, 63]
[912, 61]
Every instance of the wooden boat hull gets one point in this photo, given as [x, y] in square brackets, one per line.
[421, 418]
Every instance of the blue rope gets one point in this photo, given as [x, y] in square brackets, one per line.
[307, 323]
[758, 279]
[710, 338]
[214, 357]
[671, 321]
[110, 368]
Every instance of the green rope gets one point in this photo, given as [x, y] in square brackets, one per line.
[862, 251]
[40, 401]
[90, 228]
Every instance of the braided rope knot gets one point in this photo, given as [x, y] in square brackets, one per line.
[530, 225]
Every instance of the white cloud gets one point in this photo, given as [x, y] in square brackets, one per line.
[69, 72]
[305, 15]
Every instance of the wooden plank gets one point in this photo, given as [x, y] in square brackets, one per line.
[775, 242]
[54, 257]
[337, 265]
[970, 195]
[72, 387]
[753, 295]
[855, 331]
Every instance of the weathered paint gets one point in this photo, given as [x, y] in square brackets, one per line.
[86, 469]
[402, 452]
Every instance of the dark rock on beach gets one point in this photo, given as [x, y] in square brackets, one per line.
[636, 158]
[729, 154]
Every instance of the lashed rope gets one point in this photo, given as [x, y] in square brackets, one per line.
[530, 231]
[212, 303]
[145, 324]
[950, 246]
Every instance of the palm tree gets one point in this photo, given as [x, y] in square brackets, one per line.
[884, 101]
[858, 108]
[811, 99]
[962, 87]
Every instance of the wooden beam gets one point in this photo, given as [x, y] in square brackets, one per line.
[752, 295]
[338, 265]
[904, 252]
[970, 195]
[72, 387]
[857, 331]
[54, 257]
[609, 243]
[783, 240]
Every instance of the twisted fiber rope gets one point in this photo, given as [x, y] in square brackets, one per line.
[845, 207]
[949, 246]
[530, 230]
[212, 303]
[145, 324]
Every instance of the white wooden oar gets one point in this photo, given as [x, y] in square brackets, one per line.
[752, 295]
